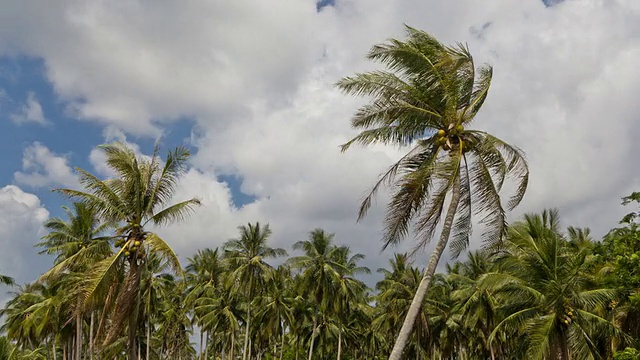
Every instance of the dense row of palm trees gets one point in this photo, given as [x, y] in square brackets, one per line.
[541, 294]
[117, 290]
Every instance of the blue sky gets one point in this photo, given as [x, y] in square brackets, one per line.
[250, 89]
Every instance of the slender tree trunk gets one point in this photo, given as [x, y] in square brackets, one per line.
[91, 335]
[232, 346]
[281, 343]
[416, 303]
[206, 346]
[78, 331]
[313, 333]
[201, 349]
[64, 351]
[246, 332]
[149, 338]
[339, 343]
[133, 289]
[53, 347]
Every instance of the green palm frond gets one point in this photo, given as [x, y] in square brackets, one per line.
[156, 245]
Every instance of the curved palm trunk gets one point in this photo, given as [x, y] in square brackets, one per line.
[416, 303]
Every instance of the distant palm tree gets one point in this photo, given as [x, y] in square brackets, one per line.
[136, 197]
[321, 269]
[427, 100]
[246, 256]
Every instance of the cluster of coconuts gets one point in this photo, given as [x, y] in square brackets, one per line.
[444, 137]
[568, 314]
[131, 245]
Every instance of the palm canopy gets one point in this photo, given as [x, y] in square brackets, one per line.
[550, 292]
[426, 99]
[137, 195]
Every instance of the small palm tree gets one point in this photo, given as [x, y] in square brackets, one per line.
[136, 197]
[428, 100]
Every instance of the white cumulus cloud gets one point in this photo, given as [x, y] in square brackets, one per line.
[41, 167]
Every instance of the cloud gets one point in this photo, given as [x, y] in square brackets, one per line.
[21, 219]
[258, 82]
[30, 112]
[42, 168]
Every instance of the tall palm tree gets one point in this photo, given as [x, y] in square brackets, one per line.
[136, 197]
[246, 256]
[427, 99]
[205, 274]
[321, 269]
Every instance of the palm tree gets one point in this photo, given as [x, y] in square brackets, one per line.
[205, 274]
[427, 100]
[246, 256]
[78, 244]
[321, 269]
[549, 292]
[276, 305]
[136, 197]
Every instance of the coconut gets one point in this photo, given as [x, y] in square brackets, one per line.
[441, 132]
[126, 253]
[137, 243]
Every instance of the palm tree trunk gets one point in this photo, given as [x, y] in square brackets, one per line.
[53, 347]
[206, 346]
[78, 332]
[246, 332]
[91, 336]
[149, 338]
[313, 333]
[339, 343]
[281, 343]
[416, 303]
[201, 349]
[232, 346]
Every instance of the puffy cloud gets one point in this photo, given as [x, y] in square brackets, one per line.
[258, 80]
[41, 167]
[21, 219]
[31, 111]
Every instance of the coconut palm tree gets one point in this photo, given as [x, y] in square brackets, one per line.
[246, 256]
[78, 243]
[549, 292]
[321, 268]
[428, 99]
[137, 196]
[205, 275]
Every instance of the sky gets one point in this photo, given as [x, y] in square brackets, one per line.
[248, 86]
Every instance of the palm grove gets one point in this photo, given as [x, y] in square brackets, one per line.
[117, 290]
